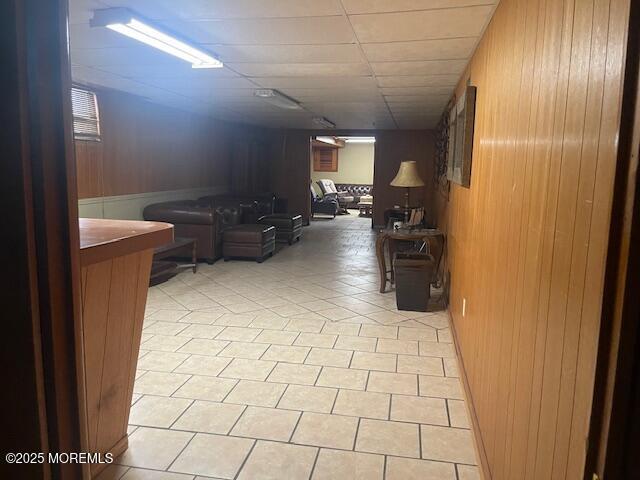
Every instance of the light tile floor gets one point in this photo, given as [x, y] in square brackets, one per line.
[296, 368]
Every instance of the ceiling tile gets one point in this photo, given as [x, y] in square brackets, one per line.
[417, 99]
[93, 77]
[275, 31]
[381, 6]
[300, 69]
[80, 11]
[336, 83]
[352, 108]
[430, 67]
[83, 36]
[185, 84]
[180, 70]
[215, 9]
[391, 92]
[354, 93]
[421, 25]
[417, 124]
[137, 55]
[418, 81]
[425, 115]
[305, 48]
[443, 49]
[338, 53]
[219, 94]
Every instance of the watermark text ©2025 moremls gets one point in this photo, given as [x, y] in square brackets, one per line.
[58, 457]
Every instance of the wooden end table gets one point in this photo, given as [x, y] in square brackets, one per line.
[179, 244]
[365, 208]
[386, 246]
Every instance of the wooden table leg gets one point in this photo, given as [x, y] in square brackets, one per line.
[392, 248]
[194, 260]
[382, 267]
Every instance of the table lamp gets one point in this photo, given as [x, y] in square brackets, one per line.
[407, 177]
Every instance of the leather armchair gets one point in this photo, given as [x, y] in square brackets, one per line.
[328, 188]
[326, 205]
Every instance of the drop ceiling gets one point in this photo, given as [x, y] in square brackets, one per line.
[360, 63]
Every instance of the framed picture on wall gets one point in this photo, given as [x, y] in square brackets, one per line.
[461, 124]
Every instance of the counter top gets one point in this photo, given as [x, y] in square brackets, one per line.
[102, 239]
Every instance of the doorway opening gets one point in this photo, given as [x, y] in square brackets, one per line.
[341, 174]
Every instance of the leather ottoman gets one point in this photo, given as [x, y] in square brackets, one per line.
[249, 241]
[288, 227]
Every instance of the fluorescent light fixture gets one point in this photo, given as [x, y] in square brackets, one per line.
[329, 140]
[278, 99]
[127, 23]
[323, 122]
[359, 139]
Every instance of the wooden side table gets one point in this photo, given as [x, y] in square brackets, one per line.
[180, 243]
[365, 208]
[386, 246]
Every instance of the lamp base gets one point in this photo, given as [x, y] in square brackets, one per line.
[406, 206]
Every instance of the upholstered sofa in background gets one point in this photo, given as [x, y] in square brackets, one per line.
[355, 190]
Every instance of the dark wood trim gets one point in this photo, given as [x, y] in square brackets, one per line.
[45, 410]
[615, 421]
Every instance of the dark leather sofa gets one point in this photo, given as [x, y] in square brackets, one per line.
[205, 219]
[354, 190]
[251, 207]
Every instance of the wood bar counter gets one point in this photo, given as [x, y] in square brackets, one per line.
[116, 262]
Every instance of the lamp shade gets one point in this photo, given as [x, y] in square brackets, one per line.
[407, 176]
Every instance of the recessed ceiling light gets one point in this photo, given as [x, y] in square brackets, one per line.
[125, 22]
[278, 99]
[323, 122]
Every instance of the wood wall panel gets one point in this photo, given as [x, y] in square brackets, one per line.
[147, 147]
[89, 169]
[527, 242]
[291, 171]
[393, 147]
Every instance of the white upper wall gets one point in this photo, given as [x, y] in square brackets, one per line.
[355, 165]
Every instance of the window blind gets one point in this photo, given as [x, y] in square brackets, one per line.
[325, 159]
[86, 124]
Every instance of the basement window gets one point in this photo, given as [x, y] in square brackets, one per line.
[325, 159]
[86, 122]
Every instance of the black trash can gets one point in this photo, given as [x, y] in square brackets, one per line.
[413, 273]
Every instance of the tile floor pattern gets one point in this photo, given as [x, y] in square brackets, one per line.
[296, 368]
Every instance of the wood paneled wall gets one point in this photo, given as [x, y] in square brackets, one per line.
[393, 147]
[147, 147]
[291, 172]
[527, 242]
